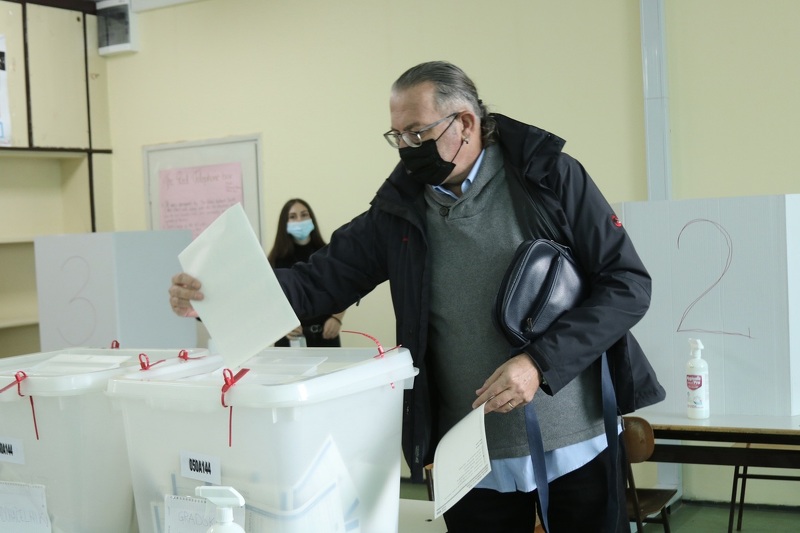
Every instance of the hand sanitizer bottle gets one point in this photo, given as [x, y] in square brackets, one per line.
[298, 342]
[696, 383]
[225, 498]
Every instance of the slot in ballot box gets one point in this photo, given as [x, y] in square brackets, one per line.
[309, 436]
[63, 461]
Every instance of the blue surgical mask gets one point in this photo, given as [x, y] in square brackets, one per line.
[300, 230]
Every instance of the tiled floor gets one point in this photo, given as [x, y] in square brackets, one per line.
[694, 517]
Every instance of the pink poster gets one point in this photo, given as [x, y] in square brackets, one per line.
[193, 197]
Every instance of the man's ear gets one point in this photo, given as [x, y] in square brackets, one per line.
[469, 122]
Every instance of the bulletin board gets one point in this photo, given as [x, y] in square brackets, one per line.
[189, 184]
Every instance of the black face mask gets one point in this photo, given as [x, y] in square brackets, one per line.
[425, 165]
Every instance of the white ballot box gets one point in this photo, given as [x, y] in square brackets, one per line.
[63, 461]
[94, 288]
[725, 271]
[309, 436]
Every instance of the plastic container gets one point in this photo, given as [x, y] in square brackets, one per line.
[58, 429]
[697, 392]
[310, 437]
[298, 342]
[225, 498]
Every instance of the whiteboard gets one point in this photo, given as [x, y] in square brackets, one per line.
[190, 183]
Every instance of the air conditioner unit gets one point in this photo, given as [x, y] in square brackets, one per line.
[116, 27]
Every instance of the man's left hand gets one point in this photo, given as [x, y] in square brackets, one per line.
[512, 385]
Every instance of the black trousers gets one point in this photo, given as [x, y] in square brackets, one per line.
[577, 504]
[313, 335]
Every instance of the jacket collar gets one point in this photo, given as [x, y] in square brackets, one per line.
[532, 150]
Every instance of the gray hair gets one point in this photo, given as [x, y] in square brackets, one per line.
[453, 89]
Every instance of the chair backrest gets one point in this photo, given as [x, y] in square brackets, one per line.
[639, 440]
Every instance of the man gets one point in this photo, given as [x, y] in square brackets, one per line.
[442, 229]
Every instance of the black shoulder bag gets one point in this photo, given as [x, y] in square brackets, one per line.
[542, 283]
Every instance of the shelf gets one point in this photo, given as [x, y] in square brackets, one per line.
[43, 195]
[18, 321]
[15, 240]
[47, 175]
[19, 340]
[43, 152]
[18, 301]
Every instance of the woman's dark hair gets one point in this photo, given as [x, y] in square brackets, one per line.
[454, 89]
[284, 243]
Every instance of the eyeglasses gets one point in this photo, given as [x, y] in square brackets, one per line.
[413, 139]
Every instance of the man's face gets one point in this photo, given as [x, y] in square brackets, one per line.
[413, 110]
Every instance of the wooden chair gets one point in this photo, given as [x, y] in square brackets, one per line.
[643, 503]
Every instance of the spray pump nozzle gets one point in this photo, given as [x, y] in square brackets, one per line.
[225, 498]
[695, 345]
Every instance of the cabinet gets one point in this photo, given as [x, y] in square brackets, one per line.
[57, 71]
[57, 165]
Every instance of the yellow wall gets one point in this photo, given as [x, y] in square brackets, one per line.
[312, 78]
[734, 96]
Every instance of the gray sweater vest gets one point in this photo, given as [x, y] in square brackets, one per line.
[472, 241]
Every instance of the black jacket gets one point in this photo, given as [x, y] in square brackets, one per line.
[388, 242]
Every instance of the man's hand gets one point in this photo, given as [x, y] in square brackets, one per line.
[331, 328]
[295, 334]
[512, 385]
[184, 289]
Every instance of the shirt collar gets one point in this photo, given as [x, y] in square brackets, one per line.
[467, 182]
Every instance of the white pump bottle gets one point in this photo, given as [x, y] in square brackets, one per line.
[697, 397]
[225, 498]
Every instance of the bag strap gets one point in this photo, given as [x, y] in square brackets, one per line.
[537, 221]
[536, 449]
[531, 215]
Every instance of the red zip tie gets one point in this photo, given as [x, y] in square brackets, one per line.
[33, 413]
[381, 351]
[18, 378]
[184, 355]
[230, 381]
[144, 362]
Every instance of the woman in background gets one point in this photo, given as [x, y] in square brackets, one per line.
[296, 239]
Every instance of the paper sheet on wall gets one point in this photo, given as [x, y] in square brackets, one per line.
[5, 110]
[461, 460]
[193, 197]
[244, 308]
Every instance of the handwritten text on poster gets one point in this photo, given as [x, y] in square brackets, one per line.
[193, 197]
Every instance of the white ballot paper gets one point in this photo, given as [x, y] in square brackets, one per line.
[244, 308]
[461, 460]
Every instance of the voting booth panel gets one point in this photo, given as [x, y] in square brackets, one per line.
[725, 271]
[309, 436]
[95, 288]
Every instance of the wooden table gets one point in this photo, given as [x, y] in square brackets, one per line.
[725, 429]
